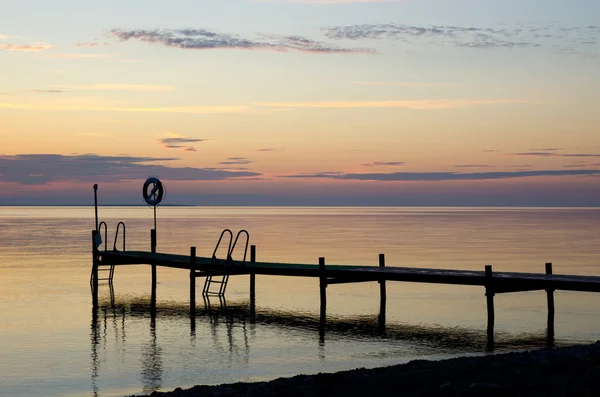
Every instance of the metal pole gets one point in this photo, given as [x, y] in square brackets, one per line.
[153, 240]
[154, 217]
[96, 203]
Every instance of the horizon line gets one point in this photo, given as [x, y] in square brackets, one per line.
[314, 206]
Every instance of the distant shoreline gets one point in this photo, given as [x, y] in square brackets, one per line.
[565, 371]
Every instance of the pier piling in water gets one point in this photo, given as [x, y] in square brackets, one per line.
[252, 282]
[153, 250]
[489, 293]
[382, 295]
[550, 299]
[94, 270]
[323, 288]
[192, 281]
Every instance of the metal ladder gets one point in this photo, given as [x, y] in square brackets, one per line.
[102, 267]
[222, 279]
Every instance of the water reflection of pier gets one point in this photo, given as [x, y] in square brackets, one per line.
[110, 317]
[238, 320]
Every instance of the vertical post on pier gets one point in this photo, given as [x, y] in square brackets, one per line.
[550, 291]
[550, 298]
[95, 264]
[323, 290]
[153, 250]
[252, 282]
[192, 282]
[96, 203]
[382, 295]
[489, 293]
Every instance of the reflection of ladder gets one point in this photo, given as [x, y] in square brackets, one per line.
[103, 268]
[221, 278]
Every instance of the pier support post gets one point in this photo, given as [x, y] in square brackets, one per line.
[323, 290]
[193, 282]
[252, 283]
[95, 264]
[153, 250]
[489, 293]
[550, 292]
[550, 298]
[382, 296]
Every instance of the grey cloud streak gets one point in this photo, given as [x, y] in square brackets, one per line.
[236, 161]
[574, 165]
[442, 176]
[25, 47]
[40, 169]
[186, 148]
[552, 154]
[270, 149]
[176, 143]
[202, 39]
[48, 91]
[572, 40]
[383, 163]
[180, 140]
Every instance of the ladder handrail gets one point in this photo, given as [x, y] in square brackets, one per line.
[111, 267]
[229, 261]
[117, 236]
[105, 234]
[214, 255]
[214, 259]
[243, 231]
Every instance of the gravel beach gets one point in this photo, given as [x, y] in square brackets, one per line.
[565, 371]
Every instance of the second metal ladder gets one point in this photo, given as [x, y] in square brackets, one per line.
[110, 268]
[221, 279]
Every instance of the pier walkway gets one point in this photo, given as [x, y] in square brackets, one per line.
[211, 268]
[500, 281]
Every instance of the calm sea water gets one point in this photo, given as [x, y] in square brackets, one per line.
[53, 344]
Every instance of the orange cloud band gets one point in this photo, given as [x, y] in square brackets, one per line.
[408, 104]
[25, 47]
[172, 109]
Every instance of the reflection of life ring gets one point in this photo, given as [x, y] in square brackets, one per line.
[155, 196]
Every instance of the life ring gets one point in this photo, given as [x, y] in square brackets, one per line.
[155, 196]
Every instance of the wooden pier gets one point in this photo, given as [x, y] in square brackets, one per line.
[493, 282]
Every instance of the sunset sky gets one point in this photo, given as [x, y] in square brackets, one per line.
[301, 102]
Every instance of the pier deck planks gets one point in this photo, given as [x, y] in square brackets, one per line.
[500, 282]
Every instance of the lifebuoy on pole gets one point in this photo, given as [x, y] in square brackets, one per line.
[153, 191]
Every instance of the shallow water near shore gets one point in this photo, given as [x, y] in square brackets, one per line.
[52, 343]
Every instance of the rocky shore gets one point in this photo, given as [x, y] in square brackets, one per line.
[566, 371]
